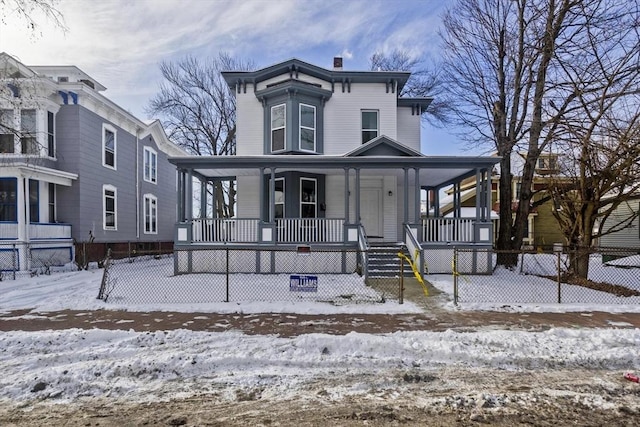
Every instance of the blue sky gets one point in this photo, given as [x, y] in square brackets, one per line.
[121, 42]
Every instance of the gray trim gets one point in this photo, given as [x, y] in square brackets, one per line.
[417, 105]
[238, 80]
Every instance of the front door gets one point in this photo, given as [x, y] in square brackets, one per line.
[371, 211]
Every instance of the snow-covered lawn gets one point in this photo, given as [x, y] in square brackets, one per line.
[71, 364]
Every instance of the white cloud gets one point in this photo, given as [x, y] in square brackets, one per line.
[120, 43]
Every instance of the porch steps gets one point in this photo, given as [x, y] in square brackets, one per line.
[384, 262]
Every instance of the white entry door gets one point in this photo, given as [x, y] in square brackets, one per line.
[371, 211]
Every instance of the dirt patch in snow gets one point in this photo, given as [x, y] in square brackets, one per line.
[438, 397]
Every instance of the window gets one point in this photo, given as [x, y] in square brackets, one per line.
[307, 127]
[34, 200]
[279, 197]
[516, 193]
[51, 150]
[7, 140]
[109, 207]
[369, 125]
[150, 165]
[150, 214]
[109, 144]
[28, 132]
[278, 129]
[8, 199]
[52, 202]
[308, 198]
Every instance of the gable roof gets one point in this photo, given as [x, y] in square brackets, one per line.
[12, 68]
[383, 146]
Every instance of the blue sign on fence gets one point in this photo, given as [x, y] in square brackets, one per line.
[300, 283]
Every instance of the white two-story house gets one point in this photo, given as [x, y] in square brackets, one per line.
[326, 158]
[74, 166]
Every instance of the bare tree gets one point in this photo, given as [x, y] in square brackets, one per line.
[424, 81]
[199, 112]
[507, 68]
[27, 11]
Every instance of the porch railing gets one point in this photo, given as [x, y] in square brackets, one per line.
[44, 231]
[310, 230]
[218, 230]
[438, 230]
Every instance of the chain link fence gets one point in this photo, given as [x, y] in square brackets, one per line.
[561, 275]
[21, 259]
[243, 275]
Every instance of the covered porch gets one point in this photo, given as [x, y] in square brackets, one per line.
[359, 199]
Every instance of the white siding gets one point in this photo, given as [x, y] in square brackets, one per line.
[250, 124]
[409, 128]
[627, 238]
[248, 197]
[342, 121]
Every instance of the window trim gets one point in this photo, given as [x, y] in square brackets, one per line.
[283, 127]
[105, 188]
[153, 216]
[34, 186]
[362, 128]
[15, 203]
[315, 201]
[27, 135]
[152, 175]
[51, 134]
[301, 127]
[107, 127]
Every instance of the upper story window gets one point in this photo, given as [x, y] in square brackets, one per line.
[150, 165]
[278, 127]
[8, 199]
[109, 207]
[150, 214]
[307, 127]
[369, 125]
[7, 131]
[548, 163]
[28, 139]
[51, 148]
[109, 146]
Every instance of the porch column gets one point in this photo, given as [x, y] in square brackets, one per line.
[427, 206]
[436, 201]
[189, 203]
[346, 195]
[180, 195]
[488, 198]
[261, 187]
[417, 197]
[272, 196]
[358, 196]
[203, 198]
[406, 195]
[479, 196]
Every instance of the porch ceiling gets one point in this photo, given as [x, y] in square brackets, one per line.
[434, 171]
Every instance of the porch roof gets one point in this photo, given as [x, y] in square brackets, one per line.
[435, 171]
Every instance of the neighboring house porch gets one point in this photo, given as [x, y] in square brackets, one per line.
[371, 194]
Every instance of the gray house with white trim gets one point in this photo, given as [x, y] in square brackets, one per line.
[76, 167]
[327, 158]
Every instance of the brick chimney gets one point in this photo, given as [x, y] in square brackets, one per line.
[337, 63]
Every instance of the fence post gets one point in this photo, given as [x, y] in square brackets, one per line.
[401, 282]
[558, 252]
[227, 275]
[14, 256]
[454, 265]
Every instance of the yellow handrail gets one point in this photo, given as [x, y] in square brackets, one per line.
[416, 273]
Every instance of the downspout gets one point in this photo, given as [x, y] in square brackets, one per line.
[137, 168]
